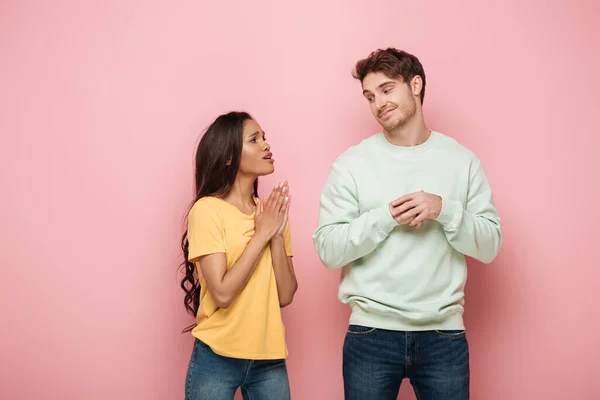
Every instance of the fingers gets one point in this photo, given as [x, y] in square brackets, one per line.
[418, 221]
[274, 196]
[283, 193]
[277, 197]
[408, 216]
[258, 208]
[286, 203]
[416, 214]
[398, 210]
[408, 197]
[403, 199]
[285, 209]
[410, 209]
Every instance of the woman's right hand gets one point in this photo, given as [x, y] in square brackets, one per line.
[269, 217]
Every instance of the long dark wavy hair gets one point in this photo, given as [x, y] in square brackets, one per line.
[217, 163]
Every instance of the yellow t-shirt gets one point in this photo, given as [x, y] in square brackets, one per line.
[251, 327]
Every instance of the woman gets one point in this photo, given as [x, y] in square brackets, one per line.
[238, 267]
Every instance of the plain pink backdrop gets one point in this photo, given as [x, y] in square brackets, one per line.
[102, 104]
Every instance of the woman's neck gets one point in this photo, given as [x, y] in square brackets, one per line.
[241, 194]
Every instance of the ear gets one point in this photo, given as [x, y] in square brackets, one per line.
[416, 85]
[228, 163]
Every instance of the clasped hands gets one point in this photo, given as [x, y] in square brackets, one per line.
[412, 209]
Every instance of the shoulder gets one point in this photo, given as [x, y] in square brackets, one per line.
[455, 149]
[357, 153]
[206, 206]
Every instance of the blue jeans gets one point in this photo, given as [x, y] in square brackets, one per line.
[376, 361]
[214, 377]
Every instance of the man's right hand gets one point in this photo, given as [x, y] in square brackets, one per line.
[412, 209]
[402, 216]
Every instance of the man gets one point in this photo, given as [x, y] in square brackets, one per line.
[401, 210]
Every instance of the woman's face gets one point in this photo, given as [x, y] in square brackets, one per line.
[256, 158]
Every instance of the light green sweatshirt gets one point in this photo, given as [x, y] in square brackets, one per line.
[398, 277]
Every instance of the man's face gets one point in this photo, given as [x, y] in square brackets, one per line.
[392, 101]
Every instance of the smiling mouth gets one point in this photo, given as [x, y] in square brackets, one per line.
[386, 113]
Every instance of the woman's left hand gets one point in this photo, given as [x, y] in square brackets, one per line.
[283, 190]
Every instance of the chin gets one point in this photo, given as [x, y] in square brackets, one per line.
[266, 171]
[394, 124]
[391, 122]
[388, 125]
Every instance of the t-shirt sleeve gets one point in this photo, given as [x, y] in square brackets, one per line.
[287, 240]
[206, 233]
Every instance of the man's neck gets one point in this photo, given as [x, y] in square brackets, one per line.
[413, 133]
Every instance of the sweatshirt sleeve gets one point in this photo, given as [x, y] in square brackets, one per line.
[343, 234]
[473, 230]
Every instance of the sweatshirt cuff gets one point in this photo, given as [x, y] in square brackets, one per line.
[383, 219]
[451, 213]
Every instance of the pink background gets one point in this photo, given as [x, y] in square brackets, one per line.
[102, 103]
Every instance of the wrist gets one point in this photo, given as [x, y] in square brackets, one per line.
[450, 214]
[438, 209]
[261, 238]
[277, 238]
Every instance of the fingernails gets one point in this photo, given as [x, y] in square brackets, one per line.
[287, 198]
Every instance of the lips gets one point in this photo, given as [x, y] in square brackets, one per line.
[386, 113]
[269, 157]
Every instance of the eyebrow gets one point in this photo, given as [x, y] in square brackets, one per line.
[255, 134]
[381, 85]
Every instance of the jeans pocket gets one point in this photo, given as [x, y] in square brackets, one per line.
[451, 334]
[359, 330]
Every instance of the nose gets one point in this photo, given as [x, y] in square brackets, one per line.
[380, 102]
[266, 146]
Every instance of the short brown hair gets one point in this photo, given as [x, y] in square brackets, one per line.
[393, 63]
